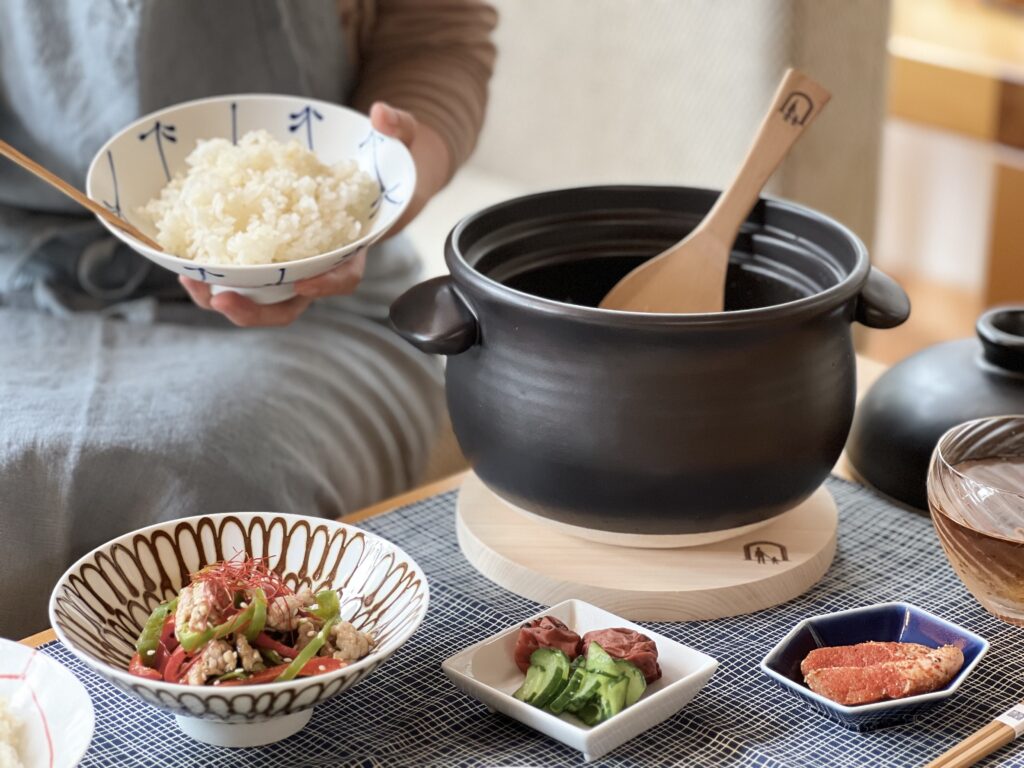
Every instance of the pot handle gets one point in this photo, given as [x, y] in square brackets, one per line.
[882, 303]
[1001, 331]
[434, 318]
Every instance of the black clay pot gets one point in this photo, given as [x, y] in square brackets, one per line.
[902, 417]
[647, 423]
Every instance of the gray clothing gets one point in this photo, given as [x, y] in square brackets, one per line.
[123, 404]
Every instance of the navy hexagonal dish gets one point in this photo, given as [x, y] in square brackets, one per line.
[886, 622]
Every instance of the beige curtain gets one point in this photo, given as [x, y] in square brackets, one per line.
[671, 91]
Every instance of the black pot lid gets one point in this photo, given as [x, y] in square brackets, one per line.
[901, 418]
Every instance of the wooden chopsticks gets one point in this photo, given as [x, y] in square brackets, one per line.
[983, 742]
[56, 181]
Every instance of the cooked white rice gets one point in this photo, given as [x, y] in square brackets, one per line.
[9, 737]
[260, 202]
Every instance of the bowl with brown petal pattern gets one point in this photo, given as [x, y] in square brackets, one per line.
[101, 603]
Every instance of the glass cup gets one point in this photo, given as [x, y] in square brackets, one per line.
[976, 498]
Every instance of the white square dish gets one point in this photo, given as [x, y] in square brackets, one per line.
[487, 671]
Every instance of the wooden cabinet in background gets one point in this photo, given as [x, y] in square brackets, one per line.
[958, 65]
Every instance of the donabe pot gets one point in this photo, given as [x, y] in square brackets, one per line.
[637, 422]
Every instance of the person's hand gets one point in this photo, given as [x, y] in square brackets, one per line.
[429, 152]
[340, 281]
[432, 158]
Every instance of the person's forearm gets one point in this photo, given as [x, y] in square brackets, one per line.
[433, 58]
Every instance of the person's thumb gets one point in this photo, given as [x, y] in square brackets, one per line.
[393, 122]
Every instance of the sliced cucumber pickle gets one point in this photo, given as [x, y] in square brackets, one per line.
[590, 713]
[561, 701]
[612, 698]
[598, 660]
[550, 670]
[587, 690]
[594, 688]
[637, 683]
[530, 685]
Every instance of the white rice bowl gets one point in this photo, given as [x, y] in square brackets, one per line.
[260, 202]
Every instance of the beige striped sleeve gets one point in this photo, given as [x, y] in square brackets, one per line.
[434, 59]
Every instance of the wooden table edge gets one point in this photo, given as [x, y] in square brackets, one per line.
[867, 372]
[434, 488]
[39, 638]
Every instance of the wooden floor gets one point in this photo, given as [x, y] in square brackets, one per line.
[939, 313]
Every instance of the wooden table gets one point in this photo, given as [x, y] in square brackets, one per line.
[867, 372]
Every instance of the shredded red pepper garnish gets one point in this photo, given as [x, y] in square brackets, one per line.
[240, 573]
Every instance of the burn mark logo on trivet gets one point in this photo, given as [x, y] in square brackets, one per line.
[797, 108]
[765, 552]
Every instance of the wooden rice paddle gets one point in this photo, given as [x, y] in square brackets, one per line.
[56, 181]
[984, 741]
[690, 276]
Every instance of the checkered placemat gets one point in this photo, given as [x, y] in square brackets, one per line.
[408, 714]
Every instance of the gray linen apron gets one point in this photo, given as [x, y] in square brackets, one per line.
[122, 403]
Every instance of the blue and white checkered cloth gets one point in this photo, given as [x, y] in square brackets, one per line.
[408, 714]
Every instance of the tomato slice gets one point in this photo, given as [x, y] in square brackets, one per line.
[263, 640]
[167, 636]
[172, 672]
[266, 676]
[321, 665]
[137, 668]
[318, 665]
[161, 658]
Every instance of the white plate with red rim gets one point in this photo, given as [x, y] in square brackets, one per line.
[488, 672]
[51, 708]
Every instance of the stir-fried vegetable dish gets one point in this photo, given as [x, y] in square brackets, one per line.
[238, 623]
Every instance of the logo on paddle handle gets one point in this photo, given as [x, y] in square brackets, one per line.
[796, 108]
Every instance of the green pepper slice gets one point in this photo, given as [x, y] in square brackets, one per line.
[271, 657]
[327, 605]
[231, 626]
[149, 638]
[308, 652]
[192, 641]
[259, 615]
[234, 674]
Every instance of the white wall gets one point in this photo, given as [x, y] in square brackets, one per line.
[672, 91]
[592, 91]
